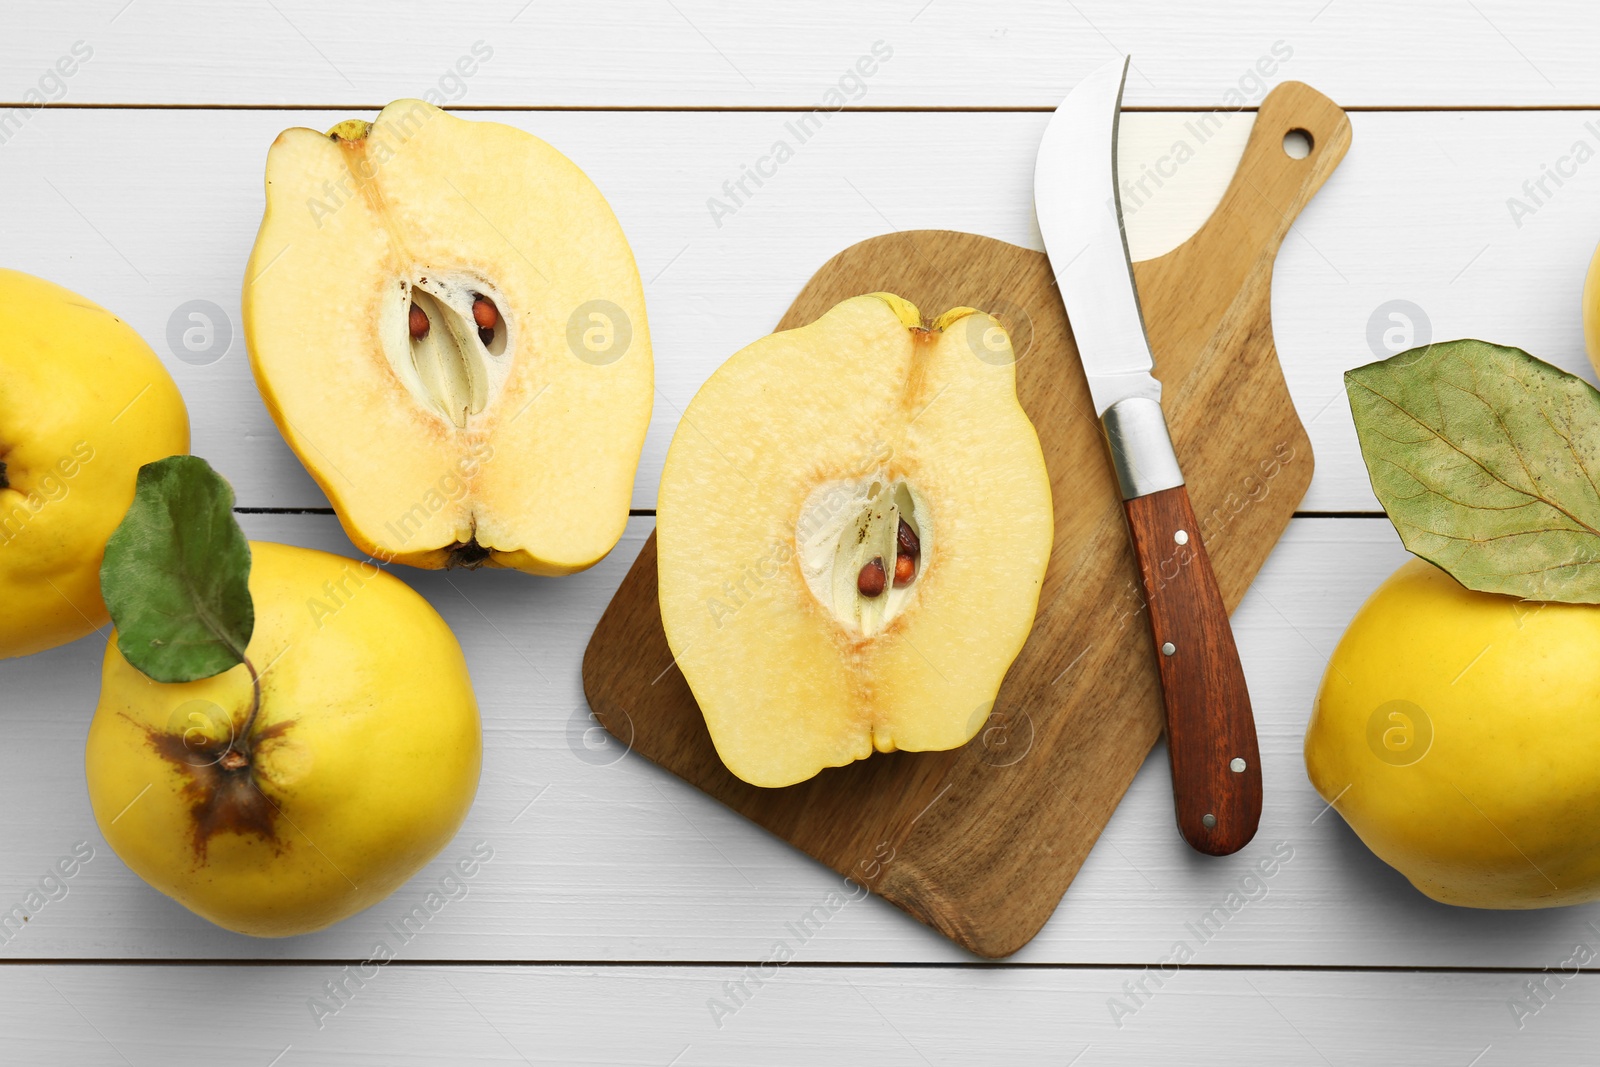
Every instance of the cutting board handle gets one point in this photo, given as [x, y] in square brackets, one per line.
[1270, 186]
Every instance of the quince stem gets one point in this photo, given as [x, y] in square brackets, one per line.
[238, 754]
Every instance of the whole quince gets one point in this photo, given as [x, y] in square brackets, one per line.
[308, 782]
[83, 404]
[1456, 733]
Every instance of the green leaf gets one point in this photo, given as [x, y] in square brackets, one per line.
[176, 574]
[1488, 463]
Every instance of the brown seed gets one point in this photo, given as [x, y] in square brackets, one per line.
[870, 581]
[905, 568]
[484, 313]
[907, 542]
[485, 335]
[419, 323]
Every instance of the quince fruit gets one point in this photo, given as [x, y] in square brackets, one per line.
[446, 323]
[308, 782]
[853, 528]
[85, 403]
[1455, 732]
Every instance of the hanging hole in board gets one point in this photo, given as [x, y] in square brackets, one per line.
[1297, 143]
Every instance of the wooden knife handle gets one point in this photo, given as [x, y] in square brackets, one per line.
[1211, 734]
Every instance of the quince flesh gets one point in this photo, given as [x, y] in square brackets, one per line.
[853, 527]
[364, 754]
[504, 425]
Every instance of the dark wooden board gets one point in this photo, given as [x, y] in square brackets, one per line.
[982, 842]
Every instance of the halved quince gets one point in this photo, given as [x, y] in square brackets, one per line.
[853, 527]
[447, 325]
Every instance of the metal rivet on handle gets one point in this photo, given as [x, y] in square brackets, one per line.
[1236, 765]
[1168, 649]
[1210, 821]
[1182, 537]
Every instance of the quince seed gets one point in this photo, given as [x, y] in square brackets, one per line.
[870, 581]
[907, 542]
[484, 313]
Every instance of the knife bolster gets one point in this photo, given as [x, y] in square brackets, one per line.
[1141, 448]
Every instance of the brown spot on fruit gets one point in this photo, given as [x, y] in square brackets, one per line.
[871, 580]
[467, 554]
[221, 789]
[418, 322]
[484, 313]
[905, 568]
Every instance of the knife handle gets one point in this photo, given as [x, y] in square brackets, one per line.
[1211, 735]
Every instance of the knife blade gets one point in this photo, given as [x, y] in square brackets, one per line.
[1211, 737]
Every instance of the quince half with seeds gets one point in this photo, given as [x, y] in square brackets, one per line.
[853, 529]
[446, 323]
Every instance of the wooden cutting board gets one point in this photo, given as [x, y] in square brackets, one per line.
[981, 842]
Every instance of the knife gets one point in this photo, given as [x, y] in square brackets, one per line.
[1211, 735]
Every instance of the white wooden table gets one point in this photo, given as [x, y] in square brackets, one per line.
[620, 904]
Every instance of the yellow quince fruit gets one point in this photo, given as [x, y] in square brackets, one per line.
[308, 782]
[84, 403]
[1456, 733]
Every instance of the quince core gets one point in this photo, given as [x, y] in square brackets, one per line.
[853, 528]
[446, 323]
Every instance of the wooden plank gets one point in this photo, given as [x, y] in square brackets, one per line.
[399, 1015]
[697, 53]
[1405, 219]
[603, 860]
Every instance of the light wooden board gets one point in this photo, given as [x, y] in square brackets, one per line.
[1403, 219]
[894, 1017]
[947, 53]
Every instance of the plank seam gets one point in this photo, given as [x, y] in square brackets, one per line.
[649, 513]
[804, 965]
[885, 109]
